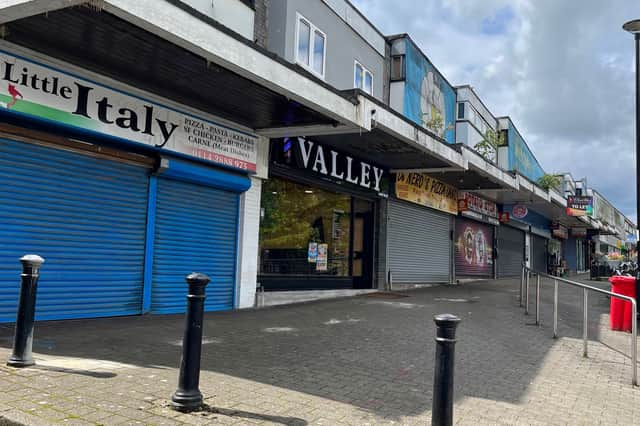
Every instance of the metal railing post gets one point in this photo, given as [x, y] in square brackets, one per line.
[521, 285]
[634, 342]
[555, 309]
[584, 322]
[526, 294]
[585, 300]
[538, 300]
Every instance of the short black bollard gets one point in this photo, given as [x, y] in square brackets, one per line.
[23, 340]
[188, 397]
[442, 409]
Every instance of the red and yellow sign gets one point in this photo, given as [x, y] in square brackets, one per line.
[469, 201]
[422, 189]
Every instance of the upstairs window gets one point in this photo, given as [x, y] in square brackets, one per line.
[397, 68]
[311, 46]
[460, 110]
[362, 78]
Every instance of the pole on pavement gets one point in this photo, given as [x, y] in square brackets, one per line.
[23, 339]
[634, 28]
[188, 397]
[442, 409]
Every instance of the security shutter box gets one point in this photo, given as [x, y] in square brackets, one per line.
[86, 216]
[511, 246]
[419, 244]
[538, 253]
[473, 248]
[195, 231]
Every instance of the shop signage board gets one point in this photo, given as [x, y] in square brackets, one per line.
[44, 92]
[519, 211]
[470, 205]
[579, 232]
[422, 189]
[331, 164]
[559, 231]
[504, 217]
[579, 205]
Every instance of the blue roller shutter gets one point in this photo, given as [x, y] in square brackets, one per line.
[196, 231]
[86, 216]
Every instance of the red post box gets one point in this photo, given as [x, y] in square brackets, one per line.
[620, 311]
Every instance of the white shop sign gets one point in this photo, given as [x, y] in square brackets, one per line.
[48, 93]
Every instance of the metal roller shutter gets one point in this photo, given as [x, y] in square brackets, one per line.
[539, 253]
[473, 248]
[86, 216]
[419, 242]
[510, 251]
[196, 230]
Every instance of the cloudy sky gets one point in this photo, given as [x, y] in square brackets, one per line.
[562, 69]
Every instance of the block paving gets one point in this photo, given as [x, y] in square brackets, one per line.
[365, 360]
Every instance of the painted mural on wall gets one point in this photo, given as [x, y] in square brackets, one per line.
[428, 100]
[521, 158]
[473, 248]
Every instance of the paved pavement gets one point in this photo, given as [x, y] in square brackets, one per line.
[359, 361]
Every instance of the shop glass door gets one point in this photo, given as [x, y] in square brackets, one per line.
[362, 244]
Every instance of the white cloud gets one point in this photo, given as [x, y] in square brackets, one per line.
[563, 71]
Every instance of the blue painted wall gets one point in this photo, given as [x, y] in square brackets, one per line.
[532, 218]
[427, 93]
[521, 158]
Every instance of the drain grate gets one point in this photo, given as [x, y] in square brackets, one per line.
[385, 295]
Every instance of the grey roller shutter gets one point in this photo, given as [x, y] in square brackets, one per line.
[510, 251]
[419, 244]
[538, 253]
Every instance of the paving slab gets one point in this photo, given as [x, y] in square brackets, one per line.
[357, 361]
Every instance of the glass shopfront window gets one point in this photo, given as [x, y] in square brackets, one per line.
[297, 221]
[315, 233]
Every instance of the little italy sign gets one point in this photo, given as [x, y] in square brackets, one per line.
[47, 93]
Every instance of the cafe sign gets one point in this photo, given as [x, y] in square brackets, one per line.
[422, 189]
[579, 232]
[579, 205]
[471, 202]
[44, 92]
[559, 231]
[329, 164]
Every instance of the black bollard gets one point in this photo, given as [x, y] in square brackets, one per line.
[442, 410]
[188, 397]
[23, 340]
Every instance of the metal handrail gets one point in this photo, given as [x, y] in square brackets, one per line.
[524, 288]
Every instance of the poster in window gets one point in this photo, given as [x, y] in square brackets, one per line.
[321, 261]
[473, 249]
[312, 253]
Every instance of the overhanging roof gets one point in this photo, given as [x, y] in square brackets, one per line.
[392, 141]
[480, 175]
[163, 49]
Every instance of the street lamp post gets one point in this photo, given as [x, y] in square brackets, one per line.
[634, 28]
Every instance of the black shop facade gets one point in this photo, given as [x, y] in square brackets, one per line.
[318, 218]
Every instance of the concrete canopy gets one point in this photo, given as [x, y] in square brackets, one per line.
[170, 51]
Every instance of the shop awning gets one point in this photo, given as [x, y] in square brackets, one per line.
[163, 49]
